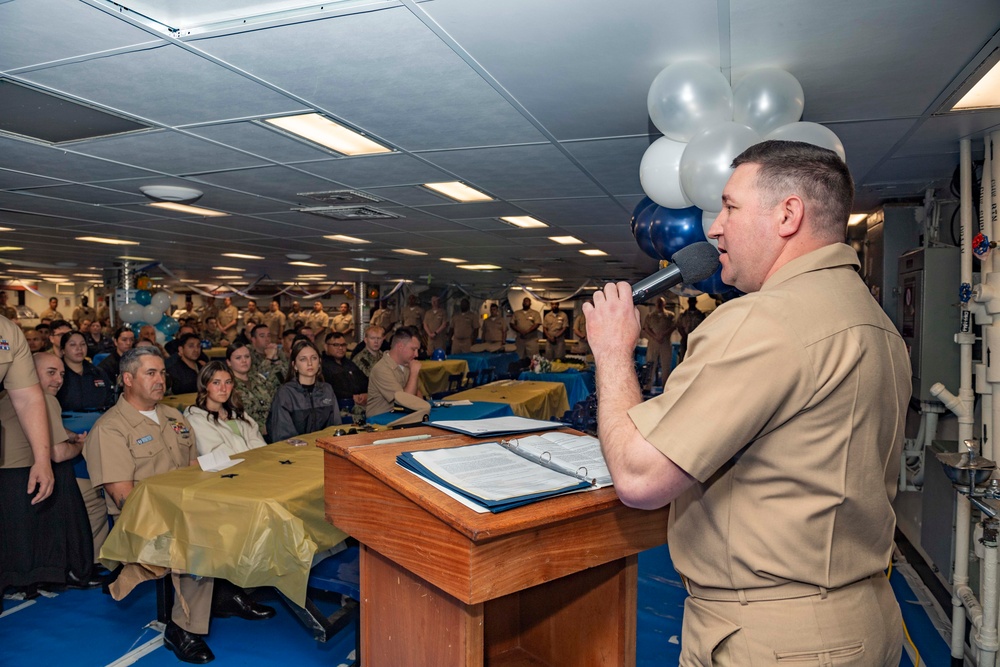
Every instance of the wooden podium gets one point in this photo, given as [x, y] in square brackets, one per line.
[548, 584]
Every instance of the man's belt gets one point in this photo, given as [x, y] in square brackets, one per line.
[786, 591]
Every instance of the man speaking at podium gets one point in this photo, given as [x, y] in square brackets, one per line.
[778, 438]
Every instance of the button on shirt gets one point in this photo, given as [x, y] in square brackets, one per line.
[807, 383]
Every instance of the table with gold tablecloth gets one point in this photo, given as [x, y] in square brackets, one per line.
[258, 523]
[537, 400]
[216, 353]
[434, 374]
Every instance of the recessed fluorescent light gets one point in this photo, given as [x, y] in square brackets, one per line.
[236, 277]
[984, 95]
[458, 191]
[856, 219]
[239, 255]
[345, 238]
[479, 267]
[136, 259]
[21, 271]
[523, 221]
[565, 240]
[355, 269]
[546, 280]
[407, 251]
[325, 132]
[453, 260]
[8, 248]
[593, 252]
[188, 280]
[516, 288]
[88, 275]
[6, 229]
[186, 208]
[312, 264]
[101, 239]
[226, 268]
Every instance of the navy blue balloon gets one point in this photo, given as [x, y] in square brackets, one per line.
[642, 237]
[674, 228]
[643, 204]
[713, 284]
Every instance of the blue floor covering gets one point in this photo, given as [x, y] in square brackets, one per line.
[88, 628]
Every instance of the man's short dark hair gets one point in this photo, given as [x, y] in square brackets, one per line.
[335, 335]
[816, 174]
[185, 338]
[403, 335]
[55, 324]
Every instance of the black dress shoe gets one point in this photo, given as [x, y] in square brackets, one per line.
[93, 580]
[240, 604]
[187, 646]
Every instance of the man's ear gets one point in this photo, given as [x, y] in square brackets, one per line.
[792, 209]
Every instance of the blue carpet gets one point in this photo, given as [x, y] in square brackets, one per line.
[88, 628]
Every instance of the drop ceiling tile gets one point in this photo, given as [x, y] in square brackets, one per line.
[49, 30]
[406, 196]
[62, 208]
[12, 180]
[456, 211]
[60, 163]
[376, 170]
[169, 152]
[614, 162]
[85, 194]
[280, 183]
[599, 234]
[166, 85]
[569, 213]
[411, 90]
[517, 172]
[254, 138]
[318, 225]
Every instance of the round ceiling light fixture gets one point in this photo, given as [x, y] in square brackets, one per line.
[171, 193]
[298, 256]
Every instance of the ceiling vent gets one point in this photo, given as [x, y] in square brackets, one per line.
[341, 197]
[349, 212]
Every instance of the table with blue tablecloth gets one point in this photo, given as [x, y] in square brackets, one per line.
[579, 384]
[480, 361]
[478, 410]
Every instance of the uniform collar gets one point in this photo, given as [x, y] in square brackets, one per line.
[133, 416]
[828, 257]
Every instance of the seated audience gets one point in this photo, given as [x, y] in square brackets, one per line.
[87, 388]
[218, 418]
[343, 375]
[124, 340]
[397, 371]
[97, 342]
[367, 355]
[36, 342]
[304, 403]
[183, 372]
[256, 391]
[139, 438]
[44, 540]
[56, 330]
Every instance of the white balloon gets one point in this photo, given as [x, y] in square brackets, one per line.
[161, 300]
[687, 98]
[161, 337]
[707, 218]
[151, 314]
[131, 312]
[766, 99]
[810, 133]
[660, 173]
[705, 164]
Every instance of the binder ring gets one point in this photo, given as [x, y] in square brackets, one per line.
[546, 460]
[584, 469]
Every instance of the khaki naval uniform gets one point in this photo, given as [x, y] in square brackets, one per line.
[9, 312]
[465, 329]
[295, 317]
[784, 537]
[385, 319]
[83, 313]
[17, 370]
[126, 445]
[526, 343]
[49, 314]
[343, 324]
[659, 325]
[226, 316]
[385, 379]
[413, 316]
[435, 329]
[256, 317]
[494, 333]
[581, 346]
[275, 321]
[554, 325]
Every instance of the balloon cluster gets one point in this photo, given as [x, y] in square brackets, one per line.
[149, 308]
[706, 123]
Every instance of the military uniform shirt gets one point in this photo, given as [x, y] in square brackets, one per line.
[275, 321]
[386, 378]
[125, 445]
[413, 316]
[789, 413]
[17, 370]
[525, 319]
[15, 450]
[494, 330]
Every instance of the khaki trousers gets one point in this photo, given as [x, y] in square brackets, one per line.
[526, 347]
[859, 624]
[658, 352]
[461, 345]
[556, 350]
[97, 510]
[192, 602]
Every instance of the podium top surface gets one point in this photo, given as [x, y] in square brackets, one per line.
[379, 461]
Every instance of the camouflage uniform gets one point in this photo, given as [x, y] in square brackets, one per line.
[261, 364]
[257, 393]
[365, 360]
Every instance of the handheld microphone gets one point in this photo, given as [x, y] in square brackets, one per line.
[692, 263]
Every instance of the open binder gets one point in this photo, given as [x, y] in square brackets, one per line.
[510, 473]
